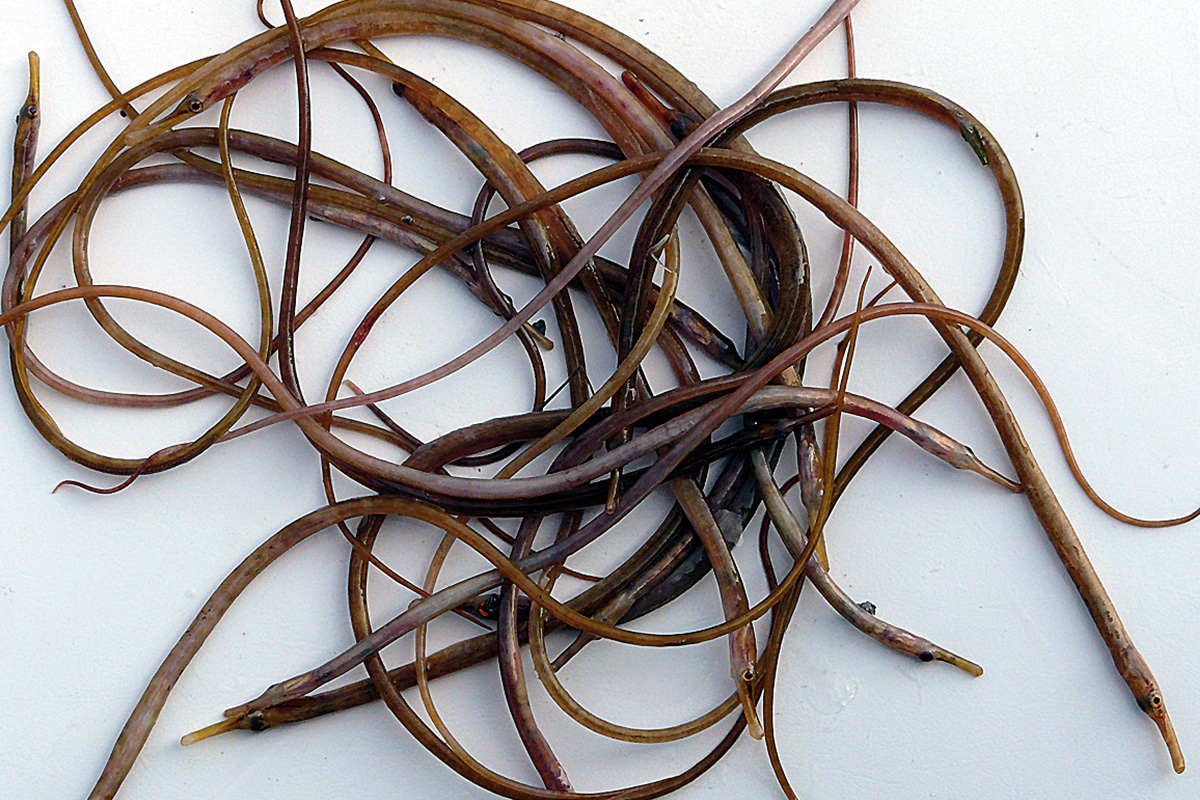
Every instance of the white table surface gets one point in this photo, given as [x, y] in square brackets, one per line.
[1096, 104]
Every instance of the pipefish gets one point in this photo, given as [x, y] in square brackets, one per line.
[747, 221]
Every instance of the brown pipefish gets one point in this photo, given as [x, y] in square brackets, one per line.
[623, 637]
[490, 485]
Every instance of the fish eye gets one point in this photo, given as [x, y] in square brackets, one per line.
[1151, 702]
[489, 607]
[194, 105]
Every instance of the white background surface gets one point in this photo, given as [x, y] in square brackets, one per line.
[1097, 109]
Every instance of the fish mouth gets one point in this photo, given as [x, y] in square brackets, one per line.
[136, 135]
[1163, 721]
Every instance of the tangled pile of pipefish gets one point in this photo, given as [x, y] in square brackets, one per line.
[690, 154]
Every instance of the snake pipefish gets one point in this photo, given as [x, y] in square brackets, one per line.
[537, 330]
